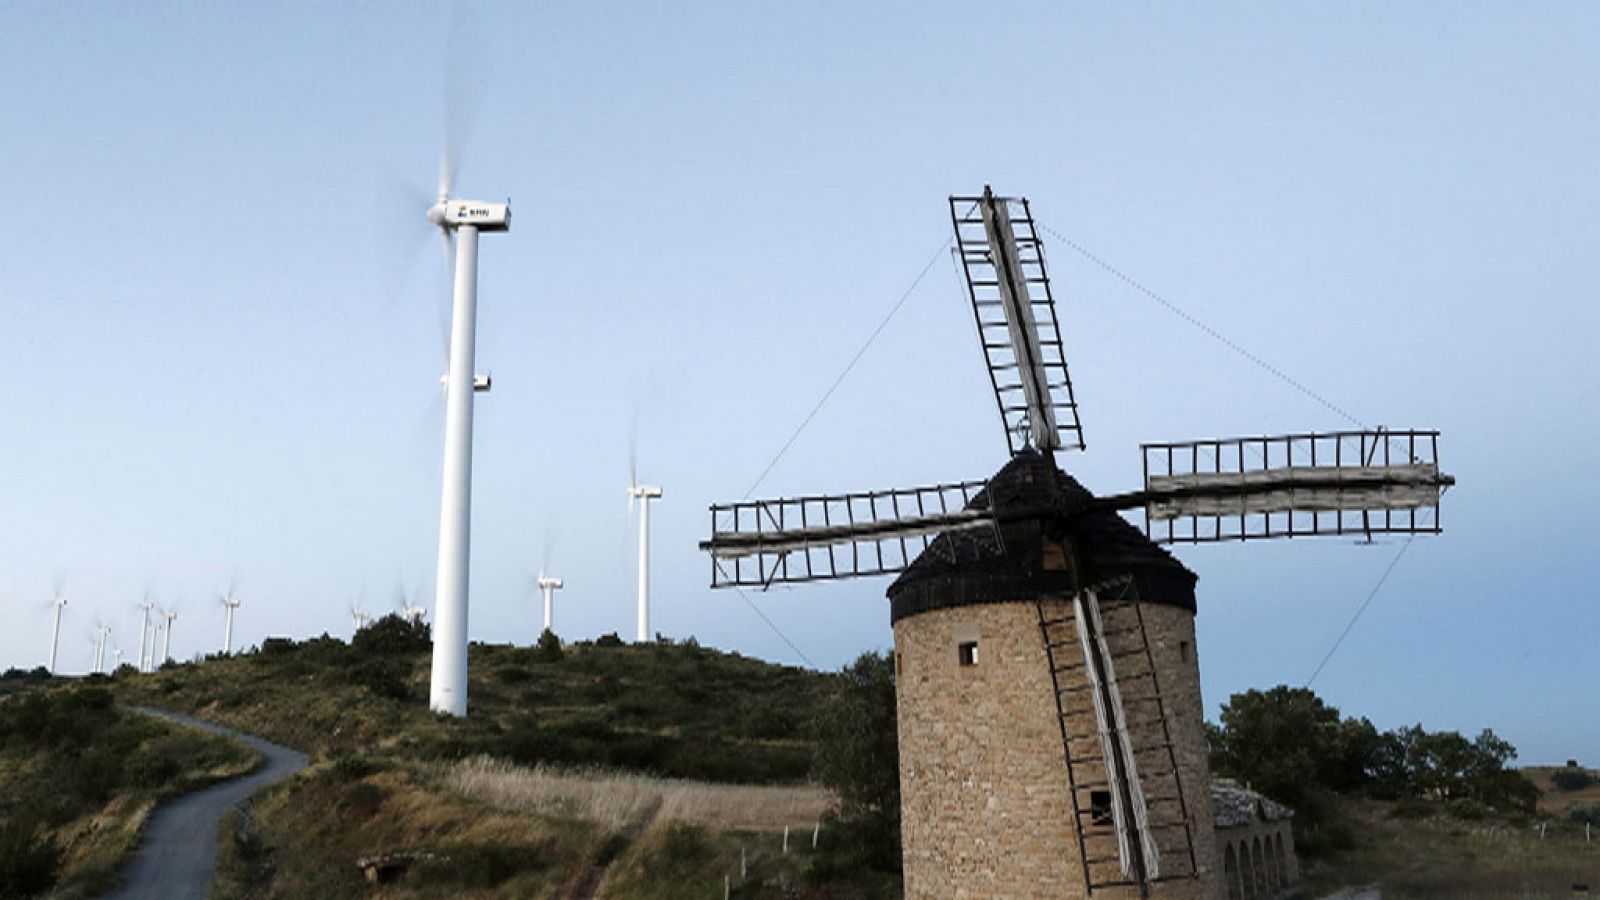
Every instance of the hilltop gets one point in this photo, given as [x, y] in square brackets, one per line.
[661, 768]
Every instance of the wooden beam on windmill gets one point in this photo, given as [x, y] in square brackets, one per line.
[1012, 304]
[1362, 483]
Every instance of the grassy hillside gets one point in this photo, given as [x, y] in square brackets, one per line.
[654, 768]
[78, 777]
[672, 710]
[1427, 849]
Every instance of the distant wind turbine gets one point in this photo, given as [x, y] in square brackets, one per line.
[166, 644]
[230, 602]
[548, 586]
[644, 493]
[145, 634]
[101, 633]
[60, 603]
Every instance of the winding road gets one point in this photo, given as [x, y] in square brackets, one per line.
[177, 857]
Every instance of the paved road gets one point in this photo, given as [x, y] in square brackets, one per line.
[177, 857]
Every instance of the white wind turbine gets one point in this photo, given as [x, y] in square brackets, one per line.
[166, 644]
[101, 633]
[144, 633]
[548, 586]
[358, 617]
[116, 654]
[410, 612]
[230, 602]
[461, 220]
[644, 493]
[60, 603]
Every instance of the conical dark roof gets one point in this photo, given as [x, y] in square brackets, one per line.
[1034, 500]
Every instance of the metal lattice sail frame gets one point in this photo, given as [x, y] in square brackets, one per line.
[759, 543]
[1015, 311]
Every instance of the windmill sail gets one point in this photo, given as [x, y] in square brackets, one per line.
[764, 542]
[1003, 260]
[1347, 482]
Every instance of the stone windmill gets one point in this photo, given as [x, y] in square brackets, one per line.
[1050, 721]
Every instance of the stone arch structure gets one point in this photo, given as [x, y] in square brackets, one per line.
[1277, 860]
[1230, 873]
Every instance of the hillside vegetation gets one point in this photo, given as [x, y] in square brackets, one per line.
[659, 769]
[78, 777]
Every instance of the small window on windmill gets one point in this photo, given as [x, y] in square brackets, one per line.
[1100, 808]
[1183, 651]
[967, 653]
[966, 644]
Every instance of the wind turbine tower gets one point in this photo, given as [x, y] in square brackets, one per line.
[358, 618]
[59, 603]
[644, 493]
[144, 633]
[100, 634]
[166, 643]
[548, 586]
[462, 220]
[230, 602]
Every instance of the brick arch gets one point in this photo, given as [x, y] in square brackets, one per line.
[1247, 870]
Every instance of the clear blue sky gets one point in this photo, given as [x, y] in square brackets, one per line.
[221, 345]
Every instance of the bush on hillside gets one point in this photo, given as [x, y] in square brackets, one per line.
[549, 648]
[1572, 779]
[394, 634]
[1585, 815]
[29, 859]
[608, 640]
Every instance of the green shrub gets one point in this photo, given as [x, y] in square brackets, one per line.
[1582, 815]
[364, 800]
[1412, 808]
[383, 677]
[608, 640]
[481, 865]
[29, 860]
[549, 649]
[277, 646]
[1465, 808]
[513, 675]
[1572, 779]
[393, 634]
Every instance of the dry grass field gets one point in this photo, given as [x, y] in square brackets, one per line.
[622, 800]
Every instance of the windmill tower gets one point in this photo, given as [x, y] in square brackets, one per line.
[230, 602]
[1048, 686]
[60, 603]
[166, 643]
[144, 633]
[643, 493]
[548, 586]
[101, 633]
[460, 221]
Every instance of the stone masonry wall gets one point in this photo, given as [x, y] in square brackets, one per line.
[986, 812]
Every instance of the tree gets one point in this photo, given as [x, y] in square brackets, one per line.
[857, 755]
[1284, 742]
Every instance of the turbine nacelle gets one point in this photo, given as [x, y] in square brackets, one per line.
[449, 214]
[549, 583]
